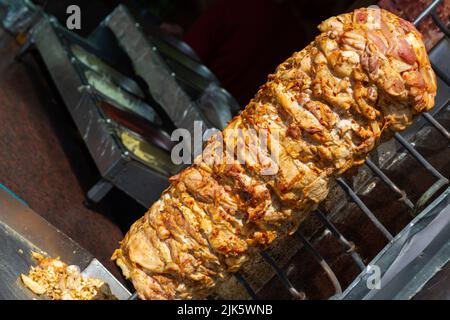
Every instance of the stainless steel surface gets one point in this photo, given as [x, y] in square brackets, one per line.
[19, 15]
[134, 296]
[426, 12]
[23, 231]
[96, 270]
[217, 105]
[15, 259]
[78, 101]
[113, 161]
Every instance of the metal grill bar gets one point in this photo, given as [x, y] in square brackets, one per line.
[442, 181]
[392, 185]
[325, 266]
[246, 285]
[349, 246]
[364, 208]
[283, 277]
[426, 12]
[439, 22]
[437, 125]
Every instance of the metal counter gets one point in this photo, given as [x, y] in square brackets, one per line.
[23, 231]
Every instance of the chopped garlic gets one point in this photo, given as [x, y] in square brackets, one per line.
[58, 281]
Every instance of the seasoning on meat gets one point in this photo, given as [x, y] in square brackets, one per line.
[366, 74]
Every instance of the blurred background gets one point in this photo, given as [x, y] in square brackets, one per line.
[228, 35]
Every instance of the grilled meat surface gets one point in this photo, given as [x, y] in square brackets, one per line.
[322, 112]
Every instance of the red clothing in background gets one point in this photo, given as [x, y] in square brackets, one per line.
[242, 41]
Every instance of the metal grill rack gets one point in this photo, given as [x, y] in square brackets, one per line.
[414, 208]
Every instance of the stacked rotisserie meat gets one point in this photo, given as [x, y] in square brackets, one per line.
[322, 112]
